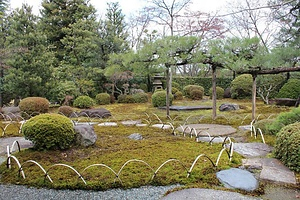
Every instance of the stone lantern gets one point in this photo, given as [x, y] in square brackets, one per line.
[157, 84]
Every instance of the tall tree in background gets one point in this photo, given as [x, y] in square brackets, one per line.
[288, 16]
[30, 69]
[113, 33]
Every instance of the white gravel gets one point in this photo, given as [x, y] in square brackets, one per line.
[17, 192]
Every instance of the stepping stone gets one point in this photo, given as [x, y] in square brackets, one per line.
[274, 170]
[108, 124]
[211, 129]
[162, 126]
[208, 139]
[9, 141]
[131, 122]
[249, 150]
[235, 178]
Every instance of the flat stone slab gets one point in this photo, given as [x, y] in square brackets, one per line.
[108, 124]
[199, 193]
[235, 178]
[274, 170]
[182, 108]
[271, 170]
[131, 122]
[212, 129]
[162, 126]
[245, 128]
[249, 150]
[211, 139]
[9, 141]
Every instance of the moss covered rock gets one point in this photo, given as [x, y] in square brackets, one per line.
[49, 131]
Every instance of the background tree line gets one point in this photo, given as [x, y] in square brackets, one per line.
[67, 50]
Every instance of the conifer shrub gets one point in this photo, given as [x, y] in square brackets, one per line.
[241, 87]
[84, 102]
[264, 125]
[176, 85]
[141, 97]
[194, 92]
[65, 110]
[34, 105]
[159, 98]
[103, 98]
[291, 89]
[283, 119]
[287, 147]
[122, 98]
[49, 131]
[219, 91]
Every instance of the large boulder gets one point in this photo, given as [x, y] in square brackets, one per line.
[228, 107]
[85, 135]
[286, 102]
[94, 113]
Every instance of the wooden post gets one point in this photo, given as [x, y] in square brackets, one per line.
[254, 75]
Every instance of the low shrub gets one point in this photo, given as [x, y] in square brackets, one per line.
[178, 95]
[290, 89]
[193, 91]
[241, 87]
[103, 98]
[65, 110]
[140, 97]
[84, 102]
[176, 85]
[264, 125]
[49, 131]
[287, 147]
[159, 99]
[219, 91]
[284, 119]
[34, 105]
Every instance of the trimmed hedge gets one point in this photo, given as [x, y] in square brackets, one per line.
[220, 92]
[84, 102]
[65, 110]
[103, 98]
[34, 105]
[49, 131]
[291, 89]
[241, 87]
[141, 97]
[287, 147]
[159, 98]
[194, 92]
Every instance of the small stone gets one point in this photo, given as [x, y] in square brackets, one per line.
[228, 107]
[135, 136]
[235, 178]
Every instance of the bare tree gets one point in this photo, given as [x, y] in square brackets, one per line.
[252, 18]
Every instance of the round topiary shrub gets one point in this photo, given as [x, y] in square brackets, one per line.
[140, 97]
[49, 131]
[34, 105]
[287, 147]
[65, 110]
[241, 87]
[176, 85]
[178, 95]
[159, 99]
[290, 89]
[219, 91]
[103, 98]
[83, 102]
[122, 98]
[198, 94]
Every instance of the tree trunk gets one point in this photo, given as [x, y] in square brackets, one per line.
[214, 92]
[254, 95]
[168, 91]
[1, 86]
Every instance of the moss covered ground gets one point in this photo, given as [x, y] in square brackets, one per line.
[113, 148]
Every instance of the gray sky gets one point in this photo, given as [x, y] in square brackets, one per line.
[128, 6]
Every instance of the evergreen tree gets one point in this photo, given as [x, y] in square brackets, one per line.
[113, 33]
[30, 68]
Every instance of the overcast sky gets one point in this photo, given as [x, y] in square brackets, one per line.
[128, 6]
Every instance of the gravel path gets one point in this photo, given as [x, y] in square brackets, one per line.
[17, 192]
